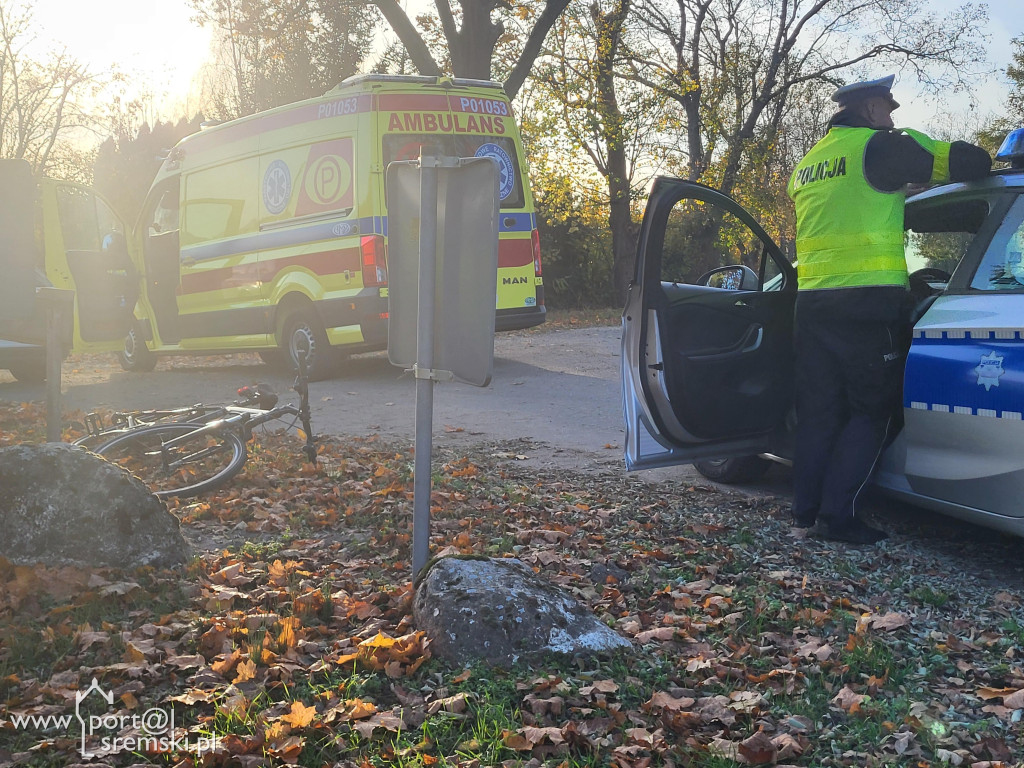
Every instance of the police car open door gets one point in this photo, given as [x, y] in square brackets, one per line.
[707, 331]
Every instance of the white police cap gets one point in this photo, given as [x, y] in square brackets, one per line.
[866, 89]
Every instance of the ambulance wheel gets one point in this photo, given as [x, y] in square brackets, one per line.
[303, 332]
[739, 469]
[136, 355]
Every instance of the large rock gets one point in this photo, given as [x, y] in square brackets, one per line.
[60, 504]
[500, 611]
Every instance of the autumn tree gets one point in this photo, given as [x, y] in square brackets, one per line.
[473, 32]
[127, 162]
[614, 125]
[733, 67]
[273, 52]
[992, 135]
[41, 99]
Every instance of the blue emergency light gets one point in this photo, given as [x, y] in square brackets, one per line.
[1012, 149]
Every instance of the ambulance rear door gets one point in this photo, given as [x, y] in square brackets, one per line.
[473, 121]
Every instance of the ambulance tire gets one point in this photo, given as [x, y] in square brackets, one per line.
[136, 355]
[303, 331]
[738, 469]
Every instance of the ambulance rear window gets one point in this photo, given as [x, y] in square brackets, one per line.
[407, 146]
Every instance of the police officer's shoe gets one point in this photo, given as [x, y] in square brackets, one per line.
[854, 532]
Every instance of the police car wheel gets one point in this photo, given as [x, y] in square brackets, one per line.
[136, 355]
[304, 333]
[739, 469]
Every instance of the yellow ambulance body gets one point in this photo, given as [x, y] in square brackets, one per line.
[269, 233]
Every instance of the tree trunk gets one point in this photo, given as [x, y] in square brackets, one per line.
[472, 49]
[403, 27]
[620, 218]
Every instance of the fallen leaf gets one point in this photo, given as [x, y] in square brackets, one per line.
[890, 621]
[662, 700]
[758, 749]
[848, 700]
[246, 671]
[300, 715]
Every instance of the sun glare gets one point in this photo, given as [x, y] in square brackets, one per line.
[154, 44]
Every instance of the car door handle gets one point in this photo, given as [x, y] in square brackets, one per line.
[750, 342]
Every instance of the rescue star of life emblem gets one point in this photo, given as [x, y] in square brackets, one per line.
[989, 370]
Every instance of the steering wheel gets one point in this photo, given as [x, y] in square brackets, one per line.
[930, 275]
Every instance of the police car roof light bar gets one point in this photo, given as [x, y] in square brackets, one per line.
[1012, 149]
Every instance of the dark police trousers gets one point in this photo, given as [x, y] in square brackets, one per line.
[850, 353]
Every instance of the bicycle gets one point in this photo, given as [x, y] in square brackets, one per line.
[186, 458]
[98, 432]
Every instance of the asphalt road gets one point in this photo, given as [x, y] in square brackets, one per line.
[554, 401]
[557, 391]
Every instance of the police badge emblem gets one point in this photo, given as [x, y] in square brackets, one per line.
[989, 370]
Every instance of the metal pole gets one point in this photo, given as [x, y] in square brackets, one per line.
[57, 304]
[54, 357]
[424, 363]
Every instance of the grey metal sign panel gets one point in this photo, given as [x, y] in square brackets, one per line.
[466, 265]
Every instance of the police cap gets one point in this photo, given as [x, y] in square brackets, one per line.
[866, 89]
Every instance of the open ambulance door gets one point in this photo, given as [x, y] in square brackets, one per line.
[707, 332]
[86, 250]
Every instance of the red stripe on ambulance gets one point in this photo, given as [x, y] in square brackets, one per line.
[324, 263]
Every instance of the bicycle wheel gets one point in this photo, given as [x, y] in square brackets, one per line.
[92, 442]
[194, 463]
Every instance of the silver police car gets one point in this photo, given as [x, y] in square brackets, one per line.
[707, 344]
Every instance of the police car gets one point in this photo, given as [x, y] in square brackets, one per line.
[707, 345]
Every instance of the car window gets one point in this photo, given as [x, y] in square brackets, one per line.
[83, 218]
[1001, 268]
[940, 232]
[707, 245]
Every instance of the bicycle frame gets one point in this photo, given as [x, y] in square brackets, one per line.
[243, 420]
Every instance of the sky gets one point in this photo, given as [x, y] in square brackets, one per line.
[155, 42]
[150, 41]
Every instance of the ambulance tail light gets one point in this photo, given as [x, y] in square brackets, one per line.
[375, 270]
[535, 238]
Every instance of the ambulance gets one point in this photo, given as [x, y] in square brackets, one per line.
[269, 233]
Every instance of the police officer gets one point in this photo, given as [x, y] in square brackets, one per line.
[852, 308]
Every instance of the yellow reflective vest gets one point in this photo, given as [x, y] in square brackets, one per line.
[849, 234]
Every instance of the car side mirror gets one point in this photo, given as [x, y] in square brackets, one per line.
[735, 277]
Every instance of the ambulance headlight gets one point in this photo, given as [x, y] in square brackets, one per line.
[1012, 149]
